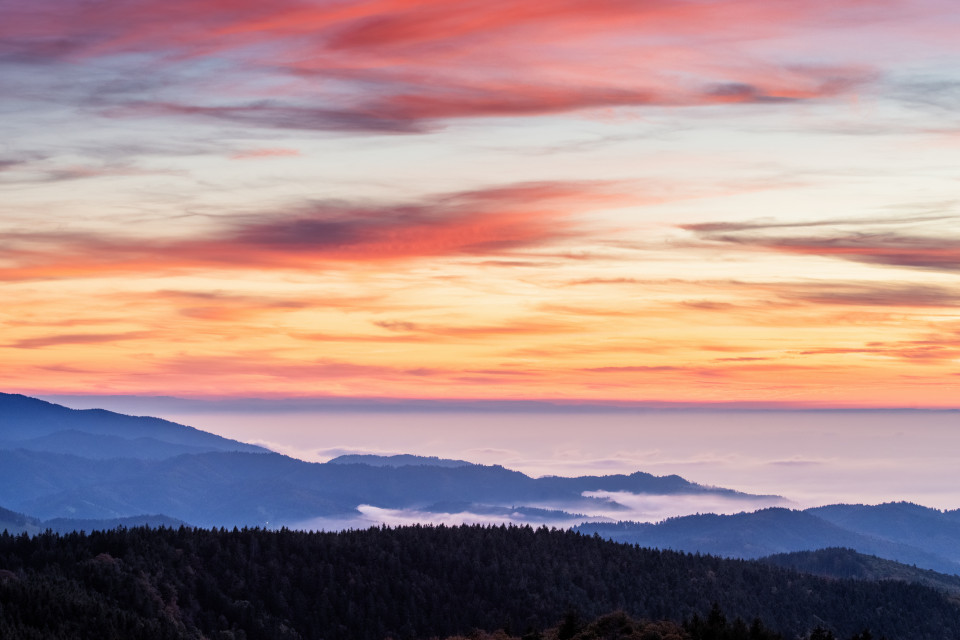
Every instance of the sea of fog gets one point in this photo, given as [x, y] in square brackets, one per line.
[808, 457]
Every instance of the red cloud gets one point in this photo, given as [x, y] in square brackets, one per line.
[394, 65]
[472, 223]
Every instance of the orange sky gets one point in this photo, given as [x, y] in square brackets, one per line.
[688, 201]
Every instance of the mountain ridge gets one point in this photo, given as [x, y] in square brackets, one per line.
[15, 523]
[752, 535]
[840, 563]
[398, 460]
[236, 488]
[25, 420]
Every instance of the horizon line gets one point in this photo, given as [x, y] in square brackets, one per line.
[380, 404]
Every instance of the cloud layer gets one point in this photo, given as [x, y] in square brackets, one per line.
[684, 201]
[385, 66]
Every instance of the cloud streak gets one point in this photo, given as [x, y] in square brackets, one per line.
[77, 339]
[861, 243]
[486, 222]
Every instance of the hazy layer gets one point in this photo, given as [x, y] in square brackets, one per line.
[811, 458]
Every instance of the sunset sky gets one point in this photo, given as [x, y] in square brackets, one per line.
[684, 201]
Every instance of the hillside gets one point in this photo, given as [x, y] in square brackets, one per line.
[19, 523]
[35, 425]
[16, 523]
[903, 522]
[415, 582]
[772, 531]
[847, 563]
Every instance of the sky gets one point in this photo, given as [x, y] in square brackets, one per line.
[607, 201]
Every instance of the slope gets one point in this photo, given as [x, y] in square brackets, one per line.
[847, 563]
[763, 533]
[414, 582]
[32, 424]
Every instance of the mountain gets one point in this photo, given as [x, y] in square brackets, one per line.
[915, 539]
[67, 525]
[226, 489]
[14, 523]
[18, 523]
[402, 460]
[35, 425]
[903, 522]
[848, 564]
[91, 445]
[91, 464]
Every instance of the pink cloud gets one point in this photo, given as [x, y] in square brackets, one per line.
[264, 153]
[398, 65]
[484, 222]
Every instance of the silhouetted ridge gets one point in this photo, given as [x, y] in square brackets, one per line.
[28, 422]
[415, 582]
[847, 563]
[919, 536]
[400, 460]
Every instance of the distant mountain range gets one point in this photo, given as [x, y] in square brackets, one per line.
[19, 523]
[899, 531]
[402, 460]
[61, 463]
[34, 425]
[86, 469]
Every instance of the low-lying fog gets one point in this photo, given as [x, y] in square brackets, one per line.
[639, 508]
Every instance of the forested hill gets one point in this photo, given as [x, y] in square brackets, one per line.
[847, 563]
[903, 532]
[413, 582]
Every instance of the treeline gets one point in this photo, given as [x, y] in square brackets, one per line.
[847, 563]
[416, 582]
[620, 626]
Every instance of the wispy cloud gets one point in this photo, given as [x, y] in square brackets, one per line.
[930, 349]
[276, 115]
[225, 306]
[871, 294]
[77, 338]
[633, 369]
[250, 154]
[857, 241]
[485, 222]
